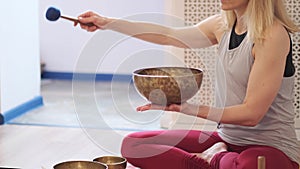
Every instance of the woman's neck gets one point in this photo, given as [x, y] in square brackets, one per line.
[240, 26]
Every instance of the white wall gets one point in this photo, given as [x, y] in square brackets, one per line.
[63, 46]
[19, 53]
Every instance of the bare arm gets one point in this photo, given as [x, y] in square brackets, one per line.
[264, 82]
[187, 37]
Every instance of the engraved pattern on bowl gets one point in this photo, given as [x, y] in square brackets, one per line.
[113, 162]
[168, 85]
[80, 165]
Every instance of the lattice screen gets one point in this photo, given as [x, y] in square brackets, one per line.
[197, 10]
[293, 7]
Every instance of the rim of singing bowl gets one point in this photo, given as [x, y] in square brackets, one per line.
[123, 160]
[138, 71]
[98, 165]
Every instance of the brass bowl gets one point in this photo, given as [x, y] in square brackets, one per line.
[113, 162]
[80, 165]
[168, 85]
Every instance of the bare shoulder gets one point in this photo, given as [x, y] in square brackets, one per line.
[277, 35]
[214, 27]
[277, 32]
[276, 41]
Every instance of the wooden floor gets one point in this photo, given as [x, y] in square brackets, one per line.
[41, 147]
[35, 143]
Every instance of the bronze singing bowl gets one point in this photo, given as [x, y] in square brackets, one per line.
[80, 165]
[113, 162]
[168, 85]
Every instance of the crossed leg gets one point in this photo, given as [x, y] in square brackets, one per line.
[176, 149]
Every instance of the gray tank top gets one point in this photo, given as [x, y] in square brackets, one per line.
[276, 129]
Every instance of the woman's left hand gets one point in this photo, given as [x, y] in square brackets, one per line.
[150, 106]
[185, 108]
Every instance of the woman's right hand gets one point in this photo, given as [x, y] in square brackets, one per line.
[91, 21]
[184, 108]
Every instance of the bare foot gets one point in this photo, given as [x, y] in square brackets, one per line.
[208, 154]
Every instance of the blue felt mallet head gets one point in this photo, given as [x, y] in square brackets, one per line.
[53, 14]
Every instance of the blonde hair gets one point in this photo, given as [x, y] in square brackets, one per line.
[260, 15]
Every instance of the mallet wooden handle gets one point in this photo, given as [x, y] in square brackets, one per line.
[76, 20]
[261, 162]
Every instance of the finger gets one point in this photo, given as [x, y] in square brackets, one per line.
[174, 107]
[89, 20]
[152, 107]
[86, 14]
[85, 20]
[92, 28]
[144, 108]
[87, 27]
[84, 26]
[75, 23]
[158, 107]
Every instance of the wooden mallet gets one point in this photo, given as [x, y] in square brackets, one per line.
[53, 14]
[261, 162]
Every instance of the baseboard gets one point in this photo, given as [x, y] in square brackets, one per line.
[86, 76]
[21, 109]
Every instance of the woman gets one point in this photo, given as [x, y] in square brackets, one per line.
[255, 51]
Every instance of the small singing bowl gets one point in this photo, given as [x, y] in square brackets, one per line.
[167, 85]
[80, 165]
[113, 162]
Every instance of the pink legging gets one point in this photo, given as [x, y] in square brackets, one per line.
[172, 149]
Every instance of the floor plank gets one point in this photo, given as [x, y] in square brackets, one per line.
[34, 147]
